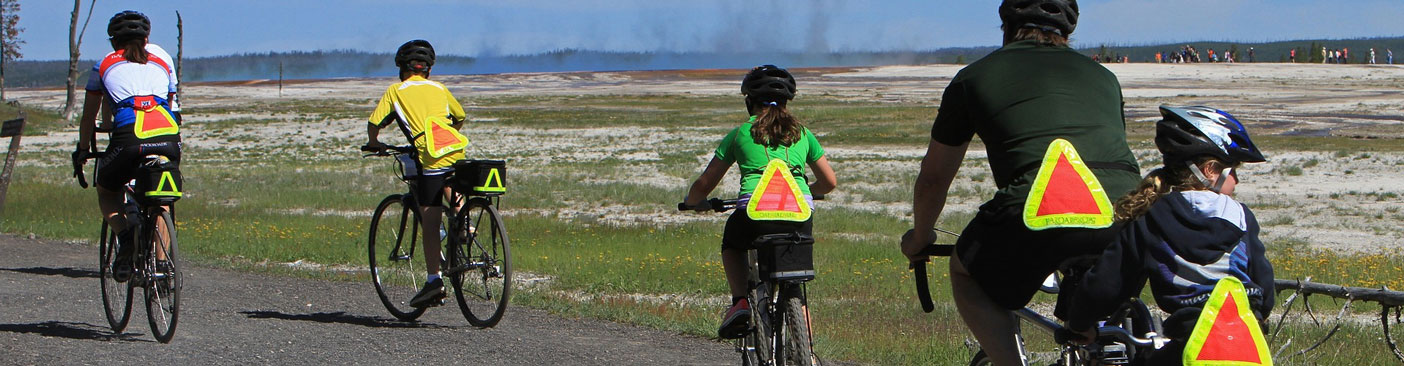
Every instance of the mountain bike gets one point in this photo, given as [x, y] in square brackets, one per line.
[1124, 338]
[155, 264]
[475, 253]
[780, 266]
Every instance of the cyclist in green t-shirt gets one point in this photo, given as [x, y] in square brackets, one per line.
[1052, 124]
[771, 136]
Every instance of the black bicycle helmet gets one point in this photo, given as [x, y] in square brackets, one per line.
[416, 50]
[127, 25]
[1188, 132]
[1059, 15]
[768, 83]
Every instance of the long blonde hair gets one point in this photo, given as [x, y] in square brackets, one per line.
[1158, 183]
[775, 126]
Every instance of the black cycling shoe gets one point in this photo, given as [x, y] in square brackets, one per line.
[431, 295]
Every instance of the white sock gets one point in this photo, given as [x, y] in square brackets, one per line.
[432, 277]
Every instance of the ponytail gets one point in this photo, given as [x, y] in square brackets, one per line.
[1158, 183]
[133, 49]
[775, 126]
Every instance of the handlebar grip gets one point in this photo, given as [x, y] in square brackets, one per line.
[923, 291]
[818, 197]
[938, 250]
[682, 206]
[368, 148]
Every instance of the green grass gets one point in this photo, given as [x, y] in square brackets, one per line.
[287, 201]
[37, 121]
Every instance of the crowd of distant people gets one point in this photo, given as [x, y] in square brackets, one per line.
[1188, 54]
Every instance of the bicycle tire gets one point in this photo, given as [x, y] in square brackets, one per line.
[759, 342]
[481, 263]
[394, 257]
[116, 296]
[798, 349]
[162, 287]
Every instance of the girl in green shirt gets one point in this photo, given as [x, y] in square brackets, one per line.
[772, 136]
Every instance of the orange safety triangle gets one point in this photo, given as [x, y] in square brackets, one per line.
[1067, 192]
[1229, 338]
[443, 137]
[1227, 332]
[156, 121]
[776, 197]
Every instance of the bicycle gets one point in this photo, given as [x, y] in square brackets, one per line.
[780, 266]
[476, 255]
[155, 264]
[1124, 338]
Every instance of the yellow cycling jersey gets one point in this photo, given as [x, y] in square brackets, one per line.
[420, 105]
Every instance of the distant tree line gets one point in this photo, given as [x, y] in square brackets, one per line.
[348, 63]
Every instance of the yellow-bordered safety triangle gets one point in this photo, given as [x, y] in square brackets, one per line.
[154, 122]
[778, 196]
[1066, 194]
[493, 183]
[1227, 333]
[166, 187]
[440, 138]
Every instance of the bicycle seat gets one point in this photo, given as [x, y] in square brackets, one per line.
[770, 240]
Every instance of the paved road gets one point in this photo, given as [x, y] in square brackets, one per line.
[51, 313]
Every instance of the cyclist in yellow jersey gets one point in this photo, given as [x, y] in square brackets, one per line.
[429, 116]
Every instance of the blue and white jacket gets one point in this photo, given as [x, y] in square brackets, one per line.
[1183, 245]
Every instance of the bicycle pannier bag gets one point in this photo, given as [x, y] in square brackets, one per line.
[158, 181]
[480, 177]
[785, 259]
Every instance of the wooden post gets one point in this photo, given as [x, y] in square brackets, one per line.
[13, 129]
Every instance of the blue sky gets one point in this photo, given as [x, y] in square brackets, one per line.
[478, 28]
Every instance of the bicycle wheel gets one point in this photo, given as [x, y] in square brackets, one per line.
[757, 348]
[395, 257]
[481, 264]
[798, 349]
[116, 296]
[163, 282]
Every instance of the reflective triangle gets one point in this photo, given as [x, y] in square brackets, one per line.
[778, 196]
[441, 138]
[493, 183]
[156, 122]
[1066, 194]
[1227, 333]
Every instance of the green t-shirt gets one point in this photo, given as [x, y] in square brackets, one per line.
[1020, 98]
[741, 148]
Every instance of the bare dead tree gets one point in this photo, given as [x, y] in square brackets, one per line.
[75, 41]
[180, 56]
[9, 38]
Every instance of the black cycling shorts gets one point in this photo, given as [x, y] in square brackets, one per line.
[429, 189]
[741, 231]
[1009, 261]
[118, 166]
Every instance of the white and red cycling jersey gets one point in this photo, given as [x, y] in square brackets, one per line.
[122, 80]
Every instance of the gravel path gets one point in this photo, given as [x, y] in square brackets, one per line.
[51, 313]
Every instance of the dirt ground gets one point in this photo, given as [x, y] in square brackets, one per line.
[1339, 199]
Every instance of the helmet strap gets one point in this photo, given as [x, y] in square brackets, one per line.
[1215, 186]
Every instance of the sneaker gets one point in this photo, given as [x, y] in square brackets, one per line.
[122, 265]
[431, 295]
[737, 320]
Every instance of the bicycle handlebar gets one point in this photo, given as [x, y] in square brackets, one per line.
[79, 158]
[721, 205]
[919, 267]
[386, 150]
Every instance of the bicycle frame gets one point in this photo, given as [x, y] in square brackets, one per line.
[1116, 344]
